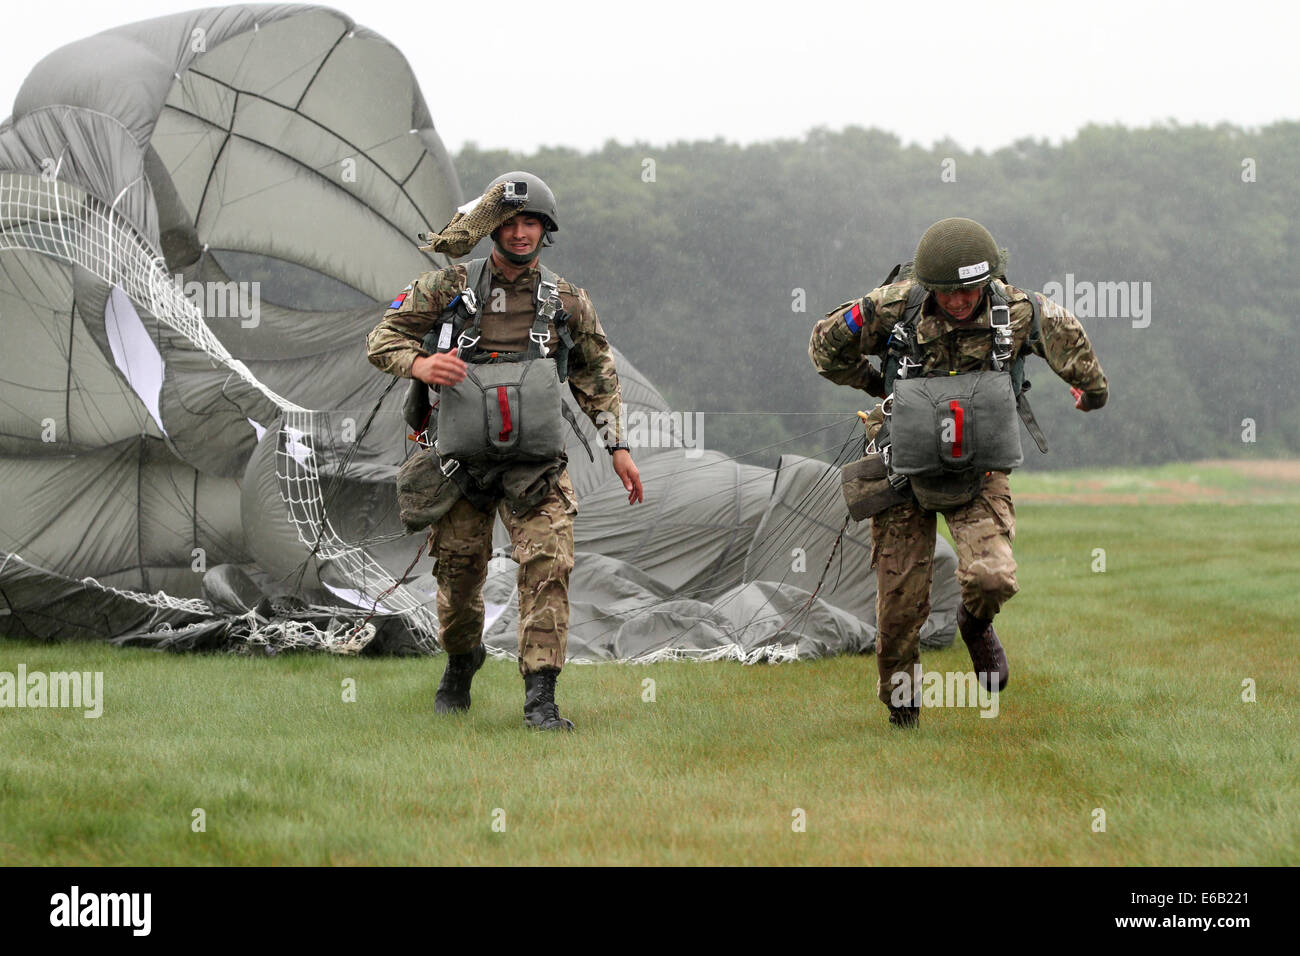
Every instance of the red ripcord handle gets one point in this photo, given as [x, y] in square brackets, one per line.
[957, 414]
[504, 401]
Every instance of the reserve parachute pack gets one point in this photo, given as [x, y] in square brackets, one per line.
[954, 423]
[971, 415]
[510, 406]
[944, 430]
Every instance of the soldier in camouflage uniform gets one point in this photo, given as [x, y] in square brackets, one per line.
[956, 261]
[535, 501]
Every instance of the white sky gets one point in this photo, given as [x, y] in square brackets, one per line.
[989, 72]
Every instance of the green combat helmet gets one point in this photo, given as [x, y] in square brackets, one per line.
[957, 254]
[539, 200]
[528, 195]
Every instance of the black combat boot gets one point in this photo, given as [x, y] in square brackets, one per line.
[540, 712]
[453, 690]
[986, 651]
[904, 718]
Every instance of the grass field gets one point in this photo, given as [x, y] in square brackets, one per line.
[1125, 696]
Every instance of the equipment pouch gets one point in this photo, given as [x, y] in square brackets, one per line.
[416, 408]
[424, 493]
[955, 423]
[503, 411]
[946, 491]
[866, 488]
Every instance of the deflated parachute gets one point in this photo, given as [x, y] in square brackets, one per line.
[200, 218]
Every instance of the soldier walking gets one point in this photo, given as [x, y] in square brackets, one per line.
[499, 338]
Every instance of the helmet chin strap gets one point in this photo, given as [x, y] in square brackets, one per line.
[515, 257]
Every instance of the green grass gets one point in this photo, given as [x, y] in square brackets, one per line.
[1125, 695]
[1215, 482]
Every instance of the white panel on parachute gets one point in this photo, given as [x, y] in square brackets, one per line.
[134, 352]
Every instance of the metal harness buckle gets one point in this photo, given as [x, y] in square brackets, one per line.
[464, 342]
[548, 303]
[541, 341]
[548, 298]
[449, 466]
[1001, 334]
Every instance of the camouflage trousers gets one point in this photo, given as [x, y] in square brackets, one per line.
[903, 555]
[542, 541]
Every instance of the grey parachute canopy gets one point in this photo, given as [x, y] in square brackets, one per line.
[201, 216]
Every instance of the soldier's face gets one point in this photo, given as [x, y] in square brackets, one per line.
[520, 234]
[959, 305]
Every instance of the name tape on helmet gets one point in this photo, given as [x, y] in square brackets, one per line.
[968, 272]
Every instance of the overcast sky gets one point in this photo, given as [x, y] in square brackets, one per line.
[982, 72]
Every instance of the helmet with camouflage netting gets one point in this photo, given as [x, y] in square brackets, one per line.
[957, 254]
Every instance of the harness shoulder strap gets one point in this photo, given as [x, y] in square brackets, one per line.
[904, 353]
[915, 299]
[1000, 324]
[478, 278]
[551, 309]
[1020, 384]
[478, 282]
[548, 306]
[1036, 323]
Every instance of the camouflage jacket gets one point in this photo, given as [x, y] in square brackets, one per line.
[840, 351]
[395, 343]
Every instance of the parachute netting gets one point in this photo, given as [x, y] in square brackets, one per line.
[43, 214]
[160, 599]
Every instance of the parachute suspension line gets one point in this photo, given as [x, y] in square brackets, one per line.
[333, 485]
[820, 581]
[761, 478]
[789, 524]
[777, 444]
[419, 553]
[276, 636]
[786, 529]
[783, 531]
[341, 471]
[159, 599]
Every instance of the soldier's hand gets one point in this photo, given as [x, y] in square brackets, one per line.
[445, 368]
[627, 472]
[869, 378]
[1080, 399]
